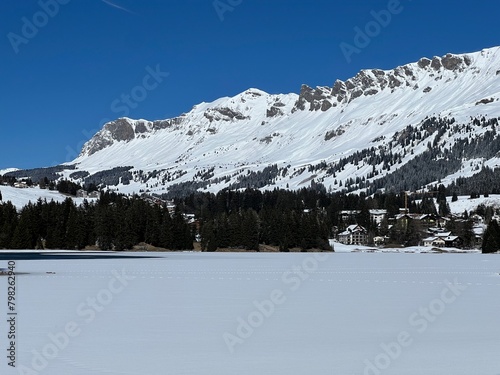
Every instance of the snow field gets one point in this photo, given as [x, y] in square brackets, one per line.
[21, 197]
[404, 314]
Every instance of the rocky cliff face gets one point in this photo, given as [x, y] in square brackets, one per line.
[124, 130]
[365, 83]
[371, 82]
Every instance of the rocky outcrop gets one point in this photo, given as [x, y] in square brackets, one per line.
[313, 99]
[125, 130]
[371, 82]
[120, 130]
[274, 111]
[223, 114]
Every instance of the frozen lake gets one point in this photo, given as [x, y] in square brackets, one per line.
[291, 314]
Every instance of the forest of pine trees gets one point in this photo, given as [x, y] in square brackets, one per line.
[115, 222]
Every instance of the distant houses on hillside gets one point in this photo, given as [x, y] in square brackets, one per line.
[21, 184]
[376, 215]
[431, 229]
[84, 194]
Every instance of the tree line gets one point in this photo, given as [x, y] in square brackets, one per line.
[114, 222]
[244, 219]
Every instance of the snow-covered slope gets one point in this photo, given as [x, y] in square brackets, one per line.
[465, 203]
[305, 136]
[21, 197]
[4, 171]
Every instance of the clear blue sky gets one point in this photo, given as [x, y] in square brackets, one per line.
[59, 85]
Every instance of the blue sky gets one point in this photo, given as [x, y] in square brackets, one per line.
[68, 65]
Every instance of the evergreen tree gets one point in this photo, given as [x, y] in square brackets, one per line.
[75, 230]
[250, 230]
[491, 238]
[8, 224]
[105, 226]
[209, 237]
[153, 226]
[166, 233]
[444, 208]
[26, 234]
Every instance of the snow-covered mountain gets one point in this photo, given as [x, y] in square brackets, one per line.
[349, 135]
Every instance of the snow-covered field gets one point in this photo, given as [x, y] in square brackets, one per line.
[465, 203]
[21, 197]
[193, 313]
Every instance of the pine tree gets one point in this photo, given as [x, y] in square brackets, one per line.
[444, 208]
[25, 235]
[153, 225]
[8, 224]
[250, 230]
[74, 237]
[209, 237]
[491, 238]
[104, 226]
[166, 234]
[181, 233]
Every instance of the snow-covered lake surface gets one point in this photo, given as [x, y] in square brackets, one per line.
[215, 314]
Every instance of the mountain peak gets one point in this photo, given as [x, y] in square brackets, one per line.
[232, 137]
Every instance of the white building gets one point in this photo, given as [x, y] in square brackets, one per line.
[353, 235]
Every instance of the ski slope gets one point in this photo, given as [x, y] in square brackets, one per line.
[324, 314]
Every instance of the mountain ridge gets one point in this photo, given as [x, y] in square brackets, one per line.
[256, 139]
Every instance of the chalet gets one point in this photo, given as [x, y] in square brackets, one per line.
[406, 216]
[81, 193]
[428, 241]
[94, 194]
[453, 241]
[20, 185]
[434, 242]
[377, 215]
[429, 220]
[477, 219]
[348, 215]
[379, 240]
[353, 235]
[443, 239]
[439, 242]
[439, 232]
